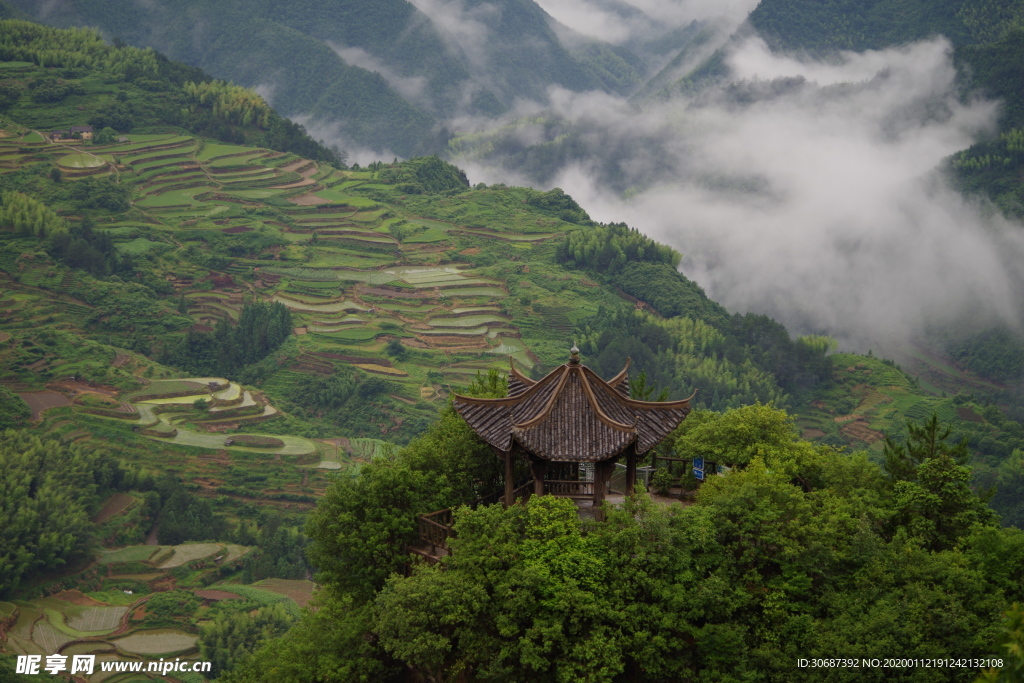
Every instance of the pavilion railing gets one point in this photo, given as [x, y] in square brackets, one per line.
[436, 528]
[569, 489]
[523, 491]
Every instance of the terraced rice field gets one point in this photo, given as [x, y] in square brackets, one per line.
[189, 552]
[293, 445]
[212, 151]
[48, 637]
[456, 331]
[136, 553]
[97, 619]
[353, 289]
[230, 394]
[467, 320]
[314, 307]
[156, 642]
[80, 160]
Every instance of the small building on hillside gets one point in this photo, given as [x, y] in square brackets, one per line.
[73, 133]
[571, 427]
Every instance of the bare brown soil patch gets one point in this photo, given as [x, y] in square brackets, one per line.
[309, 199]
[353, 359]
[41, 401]
[216, 595]
[117, 503]
[4, 336]
[299, 591]
[76, 597]
[167, 584]
[305, 182]
[860, 431]
[966, 413]
[813, 433]
[78, 387]
[377, 291]
[300, 330]
[121, 359]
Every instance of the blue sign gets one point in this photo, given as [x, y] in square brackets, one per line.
[698, 468]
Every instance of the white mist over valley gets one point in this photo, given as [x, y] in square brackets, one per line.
[807, 190]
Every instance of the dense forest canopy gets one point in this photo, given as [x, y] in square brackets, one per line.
[804, 552]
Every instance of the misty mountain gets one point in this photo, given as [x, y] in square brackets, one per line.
[822, 186]
[379, 75]
[875, 24]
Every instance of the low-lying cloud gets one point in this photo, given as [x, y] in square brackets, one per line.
[808, 190]
[411, 88]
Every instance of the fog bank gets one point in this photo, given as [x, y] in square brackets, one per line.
[808, 190]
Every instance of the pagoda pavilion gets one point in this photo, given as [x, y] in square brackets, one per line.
[566, 420]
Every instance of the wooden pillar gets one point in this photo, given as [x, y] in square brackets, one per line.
[509, 478]
[537, 469]
[631, 458]
[601, 473]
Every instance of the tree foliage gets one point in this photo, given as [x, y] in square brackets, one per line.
[230, 102]
[48, 491]
[26, 216]
[14, 412]
[232, 635]
[261, 328]
[608, 248]
[804, 552]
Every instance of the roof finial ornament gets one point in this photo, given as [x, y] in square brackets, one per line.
[574, 355]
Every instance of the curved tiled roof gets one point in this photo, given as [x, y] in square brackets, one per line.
[571, 415]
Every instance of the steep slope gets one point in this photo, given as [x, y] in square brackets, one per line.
[401, 282]
[300, 75]
[372, 75]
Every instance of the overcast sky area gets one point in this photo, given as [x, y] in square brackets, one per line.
[808, 191]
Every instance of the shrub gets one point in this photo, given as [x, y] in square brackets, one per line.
[662, 481]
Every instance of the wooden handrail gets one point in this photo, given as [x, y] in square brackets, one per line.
[569, 488]
[434, 532]
[436, 527]
[523, 491]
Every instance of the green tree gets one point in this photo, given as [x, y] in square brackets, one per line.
[105, 136]
[14, 412]
[736, 436]
[232, 635]
[332, 644]
[48, 491]
[1011, 650]
[932, 497]
[925, 441]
